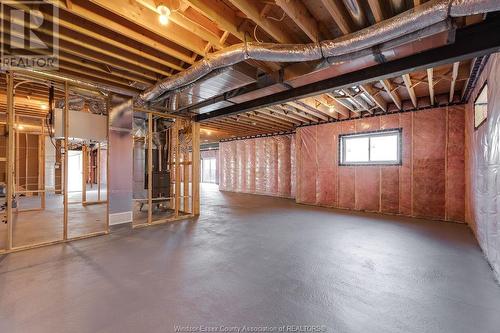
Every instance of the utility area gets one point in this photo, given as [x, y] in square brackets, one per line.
[250, 166]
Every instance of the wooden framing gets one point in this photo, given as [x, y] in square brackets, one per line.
[14, 134]
[430, 82]
[196, 169]
[10, 157]
[149, 138]
[454, 77]
[65, 160]
[178, 161]
[299, 13]
[339, 15]
[250, 9]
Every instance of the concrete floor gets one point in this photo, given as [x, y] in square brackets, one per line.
[252, 260]
[38, 226]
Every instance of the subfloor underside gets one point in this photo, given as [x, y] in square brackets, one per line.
[256, 261]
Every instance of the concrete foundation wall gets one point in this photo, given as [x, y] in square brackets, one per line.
[258, 166]
[483, 167]
[429, 183]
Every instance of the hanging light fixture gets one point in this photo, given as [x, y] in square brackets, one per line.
[164, 13]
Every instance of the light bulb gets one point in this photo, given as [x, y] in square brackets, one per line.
[163, 19]
[164, 13]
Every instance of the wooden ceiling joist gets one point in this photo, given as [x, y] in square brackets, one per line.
[409, 88]
[147, 19]
[273, 115]
[121, 33]
[339, 15]
[375, 96]
[430, 82]
[301, 113]
[299, 13]
[288, 113]
[252, 11]
[302, 106]
[454, 76]
[221, 14]
[376, 9]
[392, 92]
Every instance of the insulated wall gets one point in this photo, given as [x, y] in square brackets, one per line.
[429, 183]
[483, 166]
[259, 166]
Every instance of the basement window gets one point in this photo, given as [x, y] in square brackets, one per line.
[481, 107]
[371, 148]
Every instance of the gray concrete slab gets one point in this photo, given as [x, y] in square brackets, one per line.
[257, 261]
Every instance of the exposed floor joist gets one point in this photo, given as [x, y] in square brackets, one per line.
[470, 42]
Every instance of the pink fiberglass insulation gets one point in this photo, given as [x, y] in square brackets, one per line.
[455, 176]
[284, 165]
[405, 170]
[483, 166]
[259, 166]
[293, 168]
[241, 166]
[424, 185]
[429, 174]
[346, 175]
[307, 172]
[250, 166]
[367, 178]
[389, 175]
[326, 152]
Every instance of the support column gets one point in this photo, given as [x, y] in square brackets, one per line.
[85, 167]
[65, 159]
[10, 156]
[177, 168]
[150, 167]
[196, 169]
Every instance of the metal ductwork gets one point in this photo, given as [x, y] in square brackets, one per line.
[78, 104]
[411, 21]
[75, 103]
[214, 84]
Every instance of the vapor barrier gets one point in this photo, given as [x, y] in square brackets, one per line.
[483, 167]
[259, 166]
[429, 183]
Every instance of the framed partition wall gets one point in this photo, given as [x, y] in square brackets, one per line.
[53, 162]
[165, 174]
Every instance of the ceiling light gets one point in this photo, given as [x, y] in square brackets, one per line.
[44, 106]
[20, 127]
[164, 13]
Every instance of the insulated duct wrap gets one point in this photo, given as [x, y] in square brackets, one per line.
[258, 166]
[78, 104]
[471, 7]
[411, 21]
[483, 166]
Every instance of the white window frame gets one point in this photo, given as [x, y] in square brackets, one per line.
[369, 135]
[485, 86]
